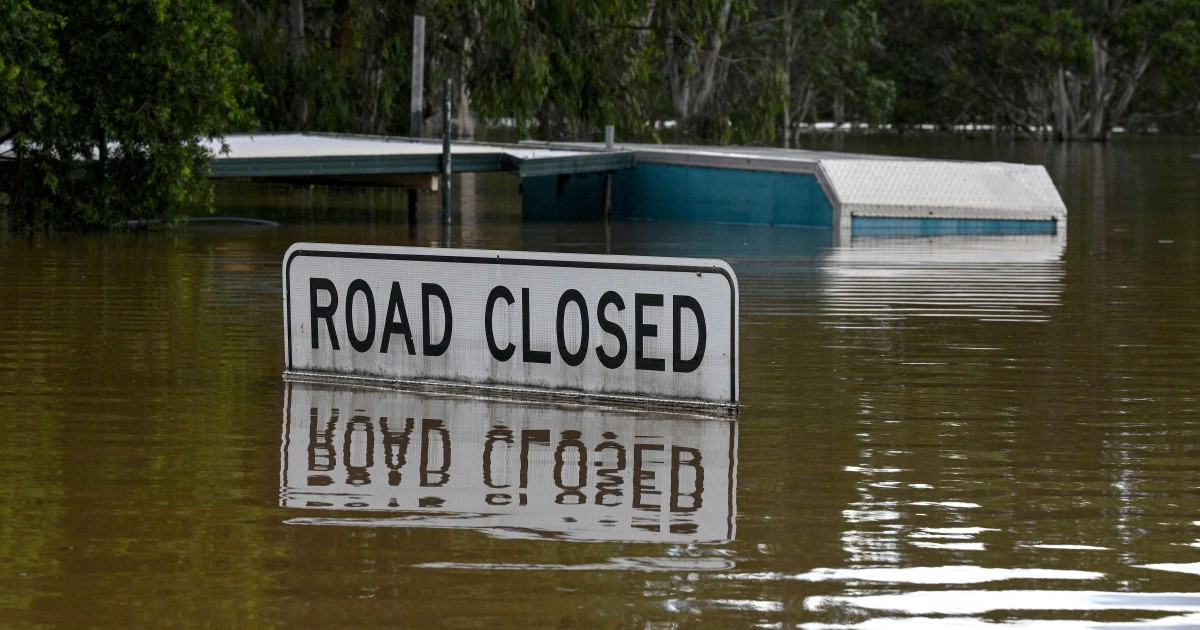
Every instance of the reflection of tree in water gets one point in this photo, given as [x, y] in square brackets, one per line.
[133, 370]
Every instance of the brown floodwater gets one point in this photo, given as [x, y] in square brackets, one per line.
[957, 431]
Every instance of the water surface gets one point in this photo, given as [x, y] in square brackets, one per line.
[956, 431]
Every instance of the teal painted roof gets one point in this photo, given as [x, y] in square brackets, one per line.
[317, 155]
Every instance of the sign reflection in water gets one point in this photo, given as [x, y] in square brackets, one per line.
[513, 469]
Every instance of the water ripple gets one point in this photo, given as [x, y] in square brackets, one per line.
[647, 564]
[985, 278]
[981, 602]
[954, 574]
[970, 623]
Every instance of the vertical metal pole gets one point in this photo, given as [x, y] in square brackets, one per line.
[417, 101]
[608, 197]
[446, 152]
[609, 140]
[414, 197]
[607, 237]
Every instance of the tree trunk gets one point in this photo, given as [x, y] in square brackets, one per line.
[339, 34]
[102, 175]
[466, 122]
[1062, 115]
[691, 91]
[1140, 65]
[295, 57]
[789, 13]
[680, 95]
[712, 58]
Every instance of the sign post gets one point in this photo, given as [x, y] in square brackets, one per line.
[659, 331]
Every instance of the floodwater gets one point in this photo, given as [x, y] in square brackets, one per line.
[936, 433]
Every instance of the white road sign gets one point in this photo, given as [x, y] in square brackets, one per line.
[608, 327]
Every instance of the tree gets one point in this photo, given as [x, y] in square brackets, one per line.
[329, 66]
[827, 46]
[28, 62]
[693, 37]
[724, 87]
[745, 71]
[129, 90]
[736, 69]
[1061, 69]
[568, 68]
[1169, 94]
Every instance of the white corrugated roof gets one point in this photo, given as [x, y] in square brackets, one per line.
[938, 189]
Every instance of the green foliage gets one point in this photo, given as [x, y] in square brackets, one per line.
[830, 46]
[128, 91]
[29, 62]
[1066, 69]
[353, 75]
[568, 68]
[563, 70]
[742, 71]
[1172, 93]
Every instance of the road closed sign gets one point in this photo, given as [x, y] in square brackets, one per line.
[605, 327]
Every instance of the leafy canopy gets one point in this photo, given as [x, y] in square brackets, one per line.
[114, 99]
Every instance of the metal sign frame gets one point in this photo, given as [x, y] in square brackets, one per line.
[361, 274]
